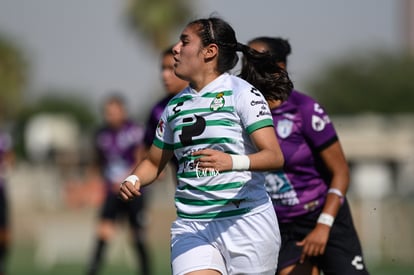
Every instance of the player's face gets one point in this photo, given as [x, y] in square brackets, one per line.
[172, 83]
[114, 114]
[188, 54]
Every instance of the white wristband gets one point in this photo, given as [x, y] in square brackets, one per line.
[132, 179]
[240, 162]
[326, 219]
[336, 191]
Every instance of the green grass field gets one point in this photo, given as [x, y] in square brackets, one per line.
[22, 262]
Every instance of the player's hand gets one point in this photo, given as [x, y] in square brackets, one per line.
[314, 243]
[213, 159]
[128, 191]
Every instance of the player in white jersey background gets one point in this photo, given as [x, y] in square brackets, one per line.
[221, 131]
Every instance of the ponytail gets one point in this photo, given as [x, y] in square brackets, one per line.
[262, 71]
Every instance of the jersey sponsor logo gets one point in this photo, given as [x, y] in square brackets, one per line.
[218, 102]
[206, 172]
[176, 108]
[255, 91]
[160, 128]
[317, 108]
[311, 206]
[191, 130]
[264, 112]
[318, 124]
[284, 128]
[358, 262]
[257, 102]
[280, 189]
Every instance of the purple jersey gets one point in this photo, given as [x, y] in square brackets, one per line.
[153, 119]
[116, 150]
[5, 146]
[303, 130]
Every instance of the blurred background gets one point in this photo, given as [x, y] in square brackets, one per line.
[60, 59]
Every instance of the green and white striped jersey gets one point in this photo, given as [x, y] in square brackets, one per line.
[221, 116]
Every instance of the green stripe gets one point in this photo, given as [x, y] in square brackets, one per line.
[213, 215]
[260, 124]
[200, 110]
[187, 175]
[207, 202]
[179, 145]
[157, 142]
[225, 93]
[216, 187]
[227, 123]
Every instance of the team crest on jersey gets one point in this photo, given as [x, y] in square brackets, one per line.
[160, 128]
[218, 102]
[284, 128]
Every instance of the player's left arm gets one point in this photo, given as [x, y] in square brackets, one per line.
[335, 161]
[269, 155]
[322, 137]
[315, 242]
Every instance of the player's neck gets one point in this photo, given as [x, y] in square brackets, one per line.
[273, 104]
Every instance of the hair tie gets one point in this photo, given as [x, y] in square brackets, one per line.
[239, 47]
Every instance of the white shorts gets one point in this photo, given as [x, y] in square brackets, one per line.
[241, 245]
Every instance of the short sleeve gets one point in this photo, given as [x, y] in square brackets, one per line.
[253, 110]
[317, 126]
[164, 138]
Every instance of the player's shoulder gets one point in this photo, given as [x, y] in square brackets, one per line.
[237, 84]
[132, 125]
[241, 90]
[300, 98]
[305, 103]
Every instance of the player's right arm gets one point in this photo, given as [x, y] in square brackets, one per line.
[147, 171]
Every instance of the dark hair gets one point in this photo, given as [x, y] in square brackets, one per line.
[278, 47]
[217, 31]
[260, 69]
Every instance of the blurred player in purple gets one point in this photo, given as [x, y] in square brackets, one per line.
[309, 194]
[173, 85]
[119, 147]
[6, 157]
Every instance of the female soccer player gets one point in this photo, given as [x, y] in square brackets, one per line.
[309, 195]
[118, 147]
[221, 131]
[173, 85]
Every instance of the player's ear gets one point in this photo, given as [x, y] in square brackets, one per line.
[210, 51]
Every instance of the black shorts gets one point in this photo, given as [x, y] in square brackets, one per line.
[343, 253]
[4, 211]
[114, 208]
